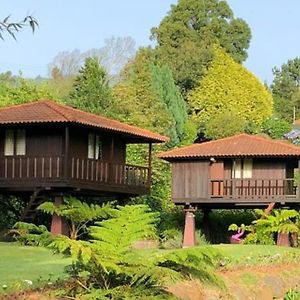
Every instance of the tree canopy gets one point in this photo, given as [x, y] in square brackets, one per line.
[91, 90]
[286, 88]
[186, 34]
[229, 88]
[138, 102]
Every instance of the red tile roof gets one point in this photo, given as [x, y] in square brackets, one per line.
[46, 111]
[235, 146]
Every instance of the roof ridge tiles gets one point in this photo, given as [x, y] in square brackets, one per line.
[53, 105]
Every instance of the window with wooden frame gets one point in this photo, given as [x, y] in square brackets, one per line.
[94, 146]
[15, 142]
[242, 168]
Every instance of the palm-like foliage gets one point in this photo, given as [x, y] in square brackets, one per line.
[30, 234]
[280, 221]
[263, 230]
[77, 213]
[111, 263]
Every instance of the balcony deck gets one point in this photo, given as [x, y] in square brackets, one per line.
[229, 193]
[28, 173]
[254, 190]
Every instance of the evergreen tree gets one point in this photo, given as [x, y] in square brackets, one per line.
[91, 91]
[286, 89]
[169, 93]
[229, 88]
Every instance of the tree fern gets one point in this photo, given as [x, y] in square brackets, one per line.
[30, 234]
[77, 213]
[112, 264]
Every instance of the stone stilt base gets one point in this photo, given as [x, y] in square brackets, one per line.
[59, 224]
[283, 239]
[189, 238]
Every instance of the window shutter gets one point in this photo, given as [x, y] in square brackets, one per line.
[248, 166]
[91, 146]
[21, 142]
[9, 142]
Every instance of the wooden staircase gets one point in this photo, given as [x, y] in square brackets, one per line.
[30, 211]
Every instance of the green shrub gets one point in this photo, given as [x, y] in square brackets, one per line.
[293, 294]
[10, 210]
[265, 229]
[30, 234]
[215, 228]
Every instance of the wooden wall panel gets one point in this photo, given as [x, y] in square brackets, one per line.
[78, 141]
[268, 169]
[79, 144]
[190, 180]
[44, 141]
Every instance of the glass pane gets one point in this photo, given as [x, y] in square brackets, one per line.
[21, 142]
[9, 142]
[247, 170]
[91, 146]
[98, 148]
[237, 172]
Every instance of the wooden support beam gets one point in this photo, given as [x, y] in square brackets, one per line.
[67, 139]
[112, 149]
[298, 180]
[149, 164]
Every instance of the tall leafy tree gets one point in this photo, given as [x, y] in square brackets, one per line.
[229, 88]
[91, 90]
[22, 91]
[138, 102]
[186, 34]
[286, 88]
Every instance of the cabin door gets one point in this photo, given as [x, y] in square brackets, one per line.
[217, 177]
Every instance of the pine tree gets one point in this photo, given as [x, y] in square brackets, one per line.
[91, 91]
[164, 84]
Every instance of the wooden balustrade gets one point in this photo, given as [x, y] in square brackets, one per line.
[101, 171]
[78, 169]
[249, 188]
[24, 167]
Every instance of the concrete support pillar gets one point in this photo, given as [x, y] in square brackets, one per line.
[59, 224]
[189, 237]
[283, 239]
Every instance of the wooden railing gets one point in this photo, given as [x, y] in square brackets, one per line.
[101, 171]
[22, 167]
[250, 188]
[79, 169]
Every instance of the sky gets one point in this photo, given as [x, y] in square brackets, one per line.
[75, 24]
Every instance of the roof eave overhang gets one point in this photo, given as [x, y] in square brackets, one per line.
[145, 139]
[181, 158]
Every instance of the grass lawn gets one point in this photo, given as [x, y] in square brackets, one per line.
[258, 254]
[19, 263]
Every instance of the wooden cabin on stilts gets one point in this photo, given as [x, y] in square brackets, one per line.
[48, 150]
[242, 171]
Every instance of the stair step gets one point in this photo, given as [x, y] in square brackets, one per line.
[30, 210]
